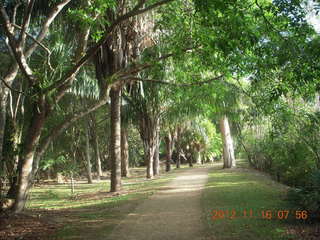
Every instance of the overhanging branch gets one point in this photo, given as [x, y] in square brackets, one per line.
[64, 83]
[39, 43]
[177, 84]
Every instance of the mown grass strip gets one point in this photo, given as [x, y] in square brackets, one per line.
[245, 204]
[89, 214]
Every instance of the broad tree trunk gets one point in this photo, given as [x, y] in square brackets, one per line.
[124, 153]
[148, 134]
[149, 150]
[198, 157]
[115, 140]
[88, 157]
[156, 162]
[149, 154]
[228, 150]
[26, 158]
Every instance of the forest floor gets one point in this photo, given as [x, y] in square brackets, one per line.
[205, 202]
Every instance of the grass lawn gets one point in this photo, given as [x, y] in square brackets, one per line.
[234, 199]
[92, 212]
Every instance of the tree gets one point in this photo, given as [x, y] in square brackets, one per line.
[228, 149]
[46, 95]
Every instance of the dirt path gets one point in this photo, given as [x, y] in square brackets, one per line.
[172, 213]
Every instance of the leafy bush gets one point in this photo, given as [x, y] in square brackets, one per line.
[308, 197]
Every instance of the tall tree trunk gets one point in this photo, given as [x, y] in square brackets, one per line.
[228, 150]
[148, 134]
[178, 148]
[26, 158]
[88, 157]
[115, 140]
[198, 157]
[156, 162]
[96, 148]
[124, 153]
[149, 154]
[317, 102]
[3, 107]
[98, 158]
[168, 140]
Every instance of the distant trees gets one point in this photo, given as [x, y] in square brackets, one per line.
[169, 76]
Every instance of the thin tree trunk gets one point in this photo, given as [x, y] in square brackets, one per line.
[168, 141]
[72, 183]
[178, 147]
[317, 102]
[3, 105]
[228, 150]
[88, 158]
[98, 158]
[96, 149]
[115, 140]
[156, 162]
[124, 153]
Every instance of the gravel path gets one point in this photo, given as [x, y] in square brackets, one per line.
[172, 213]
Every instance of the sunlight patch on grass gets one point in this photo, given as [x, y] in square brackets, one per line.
[92, 212]
[234, 200]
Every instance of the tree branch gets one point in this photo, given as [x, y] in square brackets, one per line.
[64, 83]
[26, 23]
[13, 71]
[12, 89]
[39, 43]
[176, 84]
[45, 27]
[15, 46]
[15, 12]
[68, 121]
[136, 68]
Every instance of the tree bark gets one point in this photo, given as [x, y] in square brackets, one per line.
[88, 158]
[124, 153]
[96, 147]
[228, 149]
[30, 142]
[317, 102]
[3, 105]
[149, 154]
[169, 145]
[156, 162]
[148, 133]
[178, 147]
[198, 157]
[115, 140]
[98, 158]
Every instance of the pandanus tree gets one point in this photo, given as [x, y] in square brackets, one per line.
[42, 96]
[200, 140]
[146, 101]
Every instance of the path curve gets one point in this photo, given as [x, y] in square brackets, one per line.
[172, 213]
